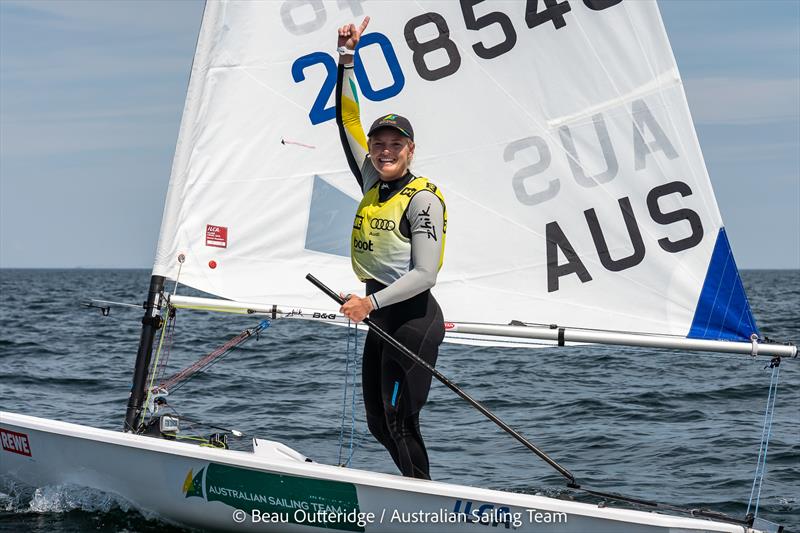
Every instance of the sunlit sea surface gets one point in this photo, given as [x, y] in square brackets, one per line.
[677, 427]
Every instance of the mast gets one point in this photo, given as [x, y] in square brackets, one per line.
[151, 322]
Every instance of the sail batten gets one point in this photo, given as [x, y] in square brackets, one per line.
[576, 188]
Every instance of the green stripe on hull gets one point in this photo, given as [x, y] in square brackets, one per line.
[297, 500]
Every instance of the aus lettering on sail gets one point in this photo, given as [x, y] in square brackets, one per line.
[625, 157]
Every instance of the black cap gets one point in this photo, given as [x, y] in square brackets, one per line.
[397, 122]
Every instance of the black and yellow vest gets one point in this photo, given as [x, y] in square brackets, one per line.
[378, 250]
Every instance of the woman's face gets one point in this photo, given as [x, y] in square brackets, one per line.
[390, 153]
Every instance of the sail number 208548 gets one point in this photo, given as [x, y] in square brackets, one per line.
[536, 14]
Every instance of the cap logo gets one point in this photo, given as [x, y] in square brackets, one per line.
[395, 121]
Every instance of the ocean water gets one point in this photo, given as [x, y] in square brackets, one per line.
[677, 427]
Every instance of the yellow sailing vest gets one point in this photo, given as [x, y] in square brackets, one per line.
[378, 250]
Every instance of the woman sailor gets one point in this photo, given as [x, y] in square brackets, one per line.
[397, 250]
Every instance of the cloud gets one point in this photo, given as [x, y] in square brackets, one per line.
[729, 100]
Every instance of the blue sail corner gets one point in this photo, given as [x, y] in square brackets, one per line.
[723, 312]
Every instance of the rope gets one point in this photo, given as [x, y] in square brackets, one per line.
[344, 395]
[179, 379]
[349, 385]
[161, 366]
[154, 367]
[766, 431]
[168, 330]
[353, 401]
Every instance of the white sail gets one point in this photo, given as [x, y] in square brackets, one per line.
[576, 190]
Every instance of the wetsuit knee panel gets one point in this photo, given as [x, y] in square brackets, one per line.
[379, 428]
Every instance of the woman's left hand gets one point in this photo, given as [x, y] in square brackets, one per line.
[356, 308]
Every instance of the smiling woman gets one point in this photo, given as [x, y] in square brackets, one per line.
[397, 250]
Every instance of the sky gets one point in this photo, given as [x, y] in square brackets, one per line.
[91, 95]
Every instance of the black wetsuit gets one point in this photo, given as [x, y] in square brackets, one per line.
[395, 388]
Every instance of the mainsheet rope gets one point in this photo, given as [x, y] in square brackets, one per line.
[351, 353]
[766, 431]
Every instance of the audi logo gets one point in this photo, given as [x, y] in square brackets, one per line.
[382, 223]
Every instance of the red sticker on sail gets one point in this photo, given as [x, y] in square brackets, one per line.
[15, 442]
[216, 236]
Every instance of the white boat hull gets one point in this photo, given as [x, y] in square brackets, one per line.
[274, 488]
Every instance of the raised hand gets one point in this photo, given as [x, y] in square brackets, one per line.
[349, 36]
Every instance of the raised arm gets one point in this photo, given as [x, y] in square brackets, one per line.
[351, 133]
